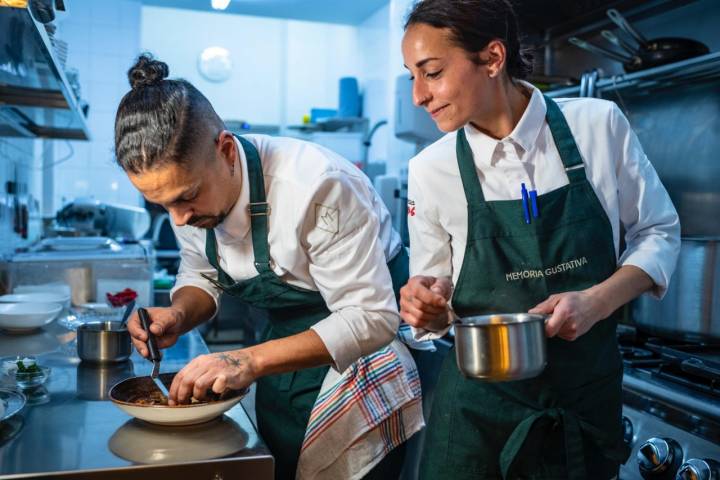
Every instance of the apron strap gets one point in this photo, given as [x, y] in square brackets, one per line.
[523, 447]
[212, 256]
[468, 172]
[259, 211]
[258, 208]
[565, 143]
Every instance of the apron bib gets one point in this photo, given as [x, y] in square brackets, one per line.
[283, 401]
[565, 423]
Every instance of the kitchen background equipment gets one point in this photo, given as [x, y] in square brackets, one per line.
[658, 51]
[501, 347]
[103, 342]
[646, 53]
[91, 266]
[690, 309]
[155, 356]
[126, 393]
[670, 403]
[90, 217]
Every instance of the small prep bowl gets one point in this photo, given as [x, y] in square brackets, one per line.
[103, 342]
[28, 380]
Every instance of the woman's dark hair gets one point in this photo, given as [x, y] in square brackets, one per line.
[160, 120]
[475, 23]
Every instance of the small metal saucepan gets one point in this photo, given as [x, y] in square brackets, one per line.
[501, 347]
[103, 342]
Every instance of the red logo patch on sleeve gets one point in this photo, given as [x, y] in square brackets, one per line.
[411, 208]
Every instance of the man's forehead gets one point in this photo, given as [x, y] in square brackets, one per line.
[165, 184]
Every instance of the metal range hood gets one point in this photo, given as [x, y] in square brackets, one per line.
[36, 100]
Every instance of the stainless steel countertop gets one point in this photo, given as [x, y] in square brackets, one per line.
[70, 428]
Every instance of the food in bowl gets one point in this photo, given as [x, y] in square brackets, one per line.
[140, 397]
[25, 371]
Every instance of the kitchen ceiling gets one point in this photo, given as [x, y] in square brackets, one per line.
[350, 12]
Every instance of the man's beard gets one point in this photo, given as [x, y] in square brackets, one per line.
[207, 221]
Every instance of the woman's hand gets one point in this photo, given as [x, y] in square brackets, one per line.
[424, 302]
[166, 326]
[216, 371]
[573, 313]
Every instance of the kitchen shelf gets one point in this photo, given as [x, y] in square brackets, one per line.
[36, 99]
[703, 68]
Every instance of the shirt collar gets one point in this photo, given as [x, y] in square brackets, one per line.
[523, 135]
[236, 225]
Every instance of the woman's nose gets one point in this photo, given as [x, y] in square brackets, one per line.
[421, 95]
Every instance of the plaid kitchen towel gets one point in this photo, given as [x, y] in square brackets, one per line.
[361, 415]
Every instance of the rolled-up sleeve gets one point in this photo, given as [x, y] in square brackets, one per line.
[347, 264]
[430, 251]
[652, 225]
[192, 264]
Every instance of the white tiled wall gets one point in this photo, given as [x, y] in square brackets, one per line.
[103, 38]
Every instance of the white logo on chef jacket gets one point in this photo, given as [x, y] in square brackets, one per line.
[327, 218]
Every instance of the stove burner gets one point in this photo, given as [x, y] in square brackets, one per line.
[635, 353]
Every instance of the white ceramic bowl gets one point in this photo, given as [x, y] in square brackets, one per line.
[178, 415]
[26, 317]
[37, 297]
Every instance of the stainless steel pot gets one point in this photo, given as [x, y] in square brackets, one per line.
[103, 342]
[501, 347]
[690, 309]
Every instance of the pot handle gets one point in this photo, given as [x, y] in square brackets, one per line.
[697, 367]
[625, 26]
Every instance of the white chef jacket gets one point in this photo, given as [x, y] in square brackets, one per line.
[328, 231]
[620, 173]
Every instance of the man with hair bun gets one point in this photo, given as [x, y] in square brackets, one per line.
[520, 208]
[294, 229]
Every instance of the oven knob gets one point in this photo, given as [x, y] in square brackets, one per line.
[628, 431]
[699, 469]
[659, 458]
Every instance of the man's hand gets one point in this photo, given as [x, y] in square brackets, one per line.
[167, 326]
[216, 371]
[424, 302]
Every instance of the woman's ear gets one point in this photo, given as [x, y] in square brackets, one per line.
[497, 55]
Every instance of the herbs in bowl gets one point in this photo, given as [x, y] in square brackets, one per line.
[26, 372]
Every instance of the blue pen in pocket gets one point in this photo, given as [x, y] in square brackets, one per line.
[526, 209]
[534, 204]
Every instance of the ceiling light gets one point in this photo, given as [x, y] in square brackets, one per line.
[219, 4]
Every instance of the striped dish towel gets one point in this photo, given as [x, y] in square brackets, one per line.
[361, 415]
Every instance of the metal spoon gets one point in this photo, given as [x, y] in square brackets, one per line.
[154, 351]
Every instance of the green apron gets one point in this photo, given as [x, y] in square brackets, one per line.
[283, 402]
[565, 423]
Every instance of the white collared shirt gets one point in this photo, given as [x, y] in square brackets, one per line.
[329, 231]
[620, 173]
